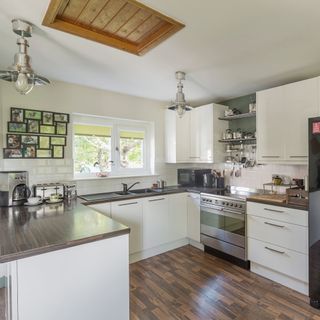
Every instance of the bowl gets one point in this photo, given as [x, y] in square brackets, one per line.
[34, 200]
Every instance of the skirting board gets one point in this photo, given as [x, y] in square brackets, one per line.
[135, 257]
[281, 278]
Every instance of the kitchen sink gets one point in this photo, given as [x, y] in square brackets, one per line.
[142, 191]
[121, 193]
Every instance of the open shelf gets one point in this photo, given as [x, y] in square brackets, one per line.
[239, 116]
[253, 140]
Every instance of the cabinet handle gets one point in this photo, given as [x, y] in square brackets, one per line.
[274, 225]
[126, 204]
[272, 210]
[298, 156]
[274, 250]
[194, 157]
[156, 199]
[270, 156]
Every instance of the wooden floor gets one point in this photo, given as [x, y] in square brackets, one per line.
[188, 284]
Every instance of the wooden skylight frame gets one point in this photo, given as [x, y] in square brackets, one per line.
[123, 24]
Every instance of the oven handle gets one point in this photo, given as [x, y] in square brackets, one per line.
[211, 208]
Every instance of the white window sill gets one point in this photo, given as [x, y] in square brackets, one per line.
[77, 178]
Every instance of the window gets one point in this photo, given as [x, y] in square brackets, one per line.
[111, 146]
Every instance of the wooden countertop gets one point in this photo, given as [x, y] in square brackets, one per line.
[27, 231]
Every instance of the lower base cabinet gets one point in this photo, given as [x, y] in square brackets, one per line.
[193, 218]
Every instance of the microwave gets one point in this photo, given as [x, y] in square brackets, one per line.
[191, 177]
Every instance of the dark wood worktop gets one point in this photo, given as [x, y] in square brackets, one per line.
[27, 231]
[279, 204]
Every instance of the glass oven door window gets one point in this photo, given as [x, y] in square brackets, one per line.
[234, 223]
[212, 219]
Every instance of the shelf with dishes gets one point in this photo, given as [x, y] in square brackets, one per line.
[239, 140]
[238, 116]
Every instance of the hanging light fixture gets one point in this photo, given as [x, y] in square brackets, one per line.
[180, 104]
[21, 73]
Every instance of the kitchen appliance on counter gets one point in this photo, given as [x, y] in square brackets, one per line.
[14, 190]
[70, 190]
[208, 180]
[191, 177]
[44, 190]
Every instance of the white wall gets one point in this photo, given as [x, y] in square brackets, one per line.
[70, 98]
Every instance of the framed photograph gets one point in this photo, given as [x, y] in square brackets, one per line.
[58, 141]
[13, 141]
[61, 128]
[29, 140]
[61, 117]
[58, 152]
[12, 153]
[47, 118]
[44, 142]
[33, 126]
[17, 115]
[45, 129]
[17, 127]
[32, 114]
[43, 153]
[29, 151]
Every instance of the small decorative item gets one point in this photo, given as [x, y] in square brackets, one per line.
[44, 129]
[29, 152]
[17, 115]
[13, 141]
[32, 114]
[61, 128]
[47, 118]
[44, 142]
[58, 141]
[12, 153]
[32, 126]
[57, 152]
[61, 117]
[29, 140]
[17, 127]
[44, 153]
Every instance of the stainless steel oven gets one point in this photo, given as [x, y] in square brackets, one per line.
[223, 224]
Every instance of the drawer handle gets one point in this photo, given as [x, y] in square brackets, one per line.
[270, 156]
[126, 204]
[274, 225]
[274, 250]
[156, 199]
[272, 210]
[298, 156]
[194, 157]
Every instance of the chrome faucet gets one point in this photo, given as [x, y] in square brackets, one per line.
[125, 188]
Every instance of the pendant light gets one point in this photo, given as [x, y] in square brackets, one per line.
[21, 73]
[180, 104]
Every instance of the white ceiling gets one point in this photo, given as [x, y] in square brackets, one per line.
[228, 48]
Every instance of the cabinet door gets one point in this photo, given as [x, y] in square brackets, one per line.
[193, 208]
[104, 208]
[129, 213]
[155, 221]
[301, 103]
[271, 125]
[177, 216]
[183, 137]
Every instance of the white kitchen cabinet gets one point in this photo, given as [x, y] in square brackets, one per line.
[177, 206]
[155, 221]
[104, 208]
[193, 208]
[282, 121]
[130, 213]
[278, 244]
[194, 137]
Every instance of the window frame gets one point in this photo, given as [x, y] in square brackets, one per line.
[118, 125]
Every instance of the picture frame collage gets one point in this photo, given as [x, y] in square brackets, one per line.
[35, 134]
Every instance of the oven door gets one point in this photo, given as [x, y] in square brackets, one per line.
[223, 224]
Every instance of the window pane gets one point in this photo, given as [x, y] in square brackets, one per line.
[92, 149]
[131, 149]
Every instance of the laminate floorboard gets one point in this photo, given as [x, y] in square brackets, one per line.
[189, 284]
[2, 304]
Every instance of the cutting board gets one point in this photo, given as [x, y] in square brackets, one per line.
[279, 198]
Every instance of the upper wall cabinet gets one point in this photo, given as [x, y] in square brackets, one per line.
[282, 121]
[194, 137]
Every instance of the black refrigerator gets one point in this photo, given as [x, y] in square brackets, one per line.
[314, 211]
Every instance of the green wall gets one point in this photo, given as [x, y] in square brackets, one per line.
[242, 104]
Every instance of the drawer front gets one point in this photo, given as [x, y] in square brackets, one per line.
[288, 262]
[287, 235]
[295, 216]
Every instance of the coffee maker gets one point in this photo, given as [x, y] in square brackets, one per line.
[14, 190]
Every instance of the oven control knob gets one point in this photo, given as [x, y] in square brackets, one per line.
[240, 206]
[235, 205]
[223, 203]
[227, 203]
[231, 204]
